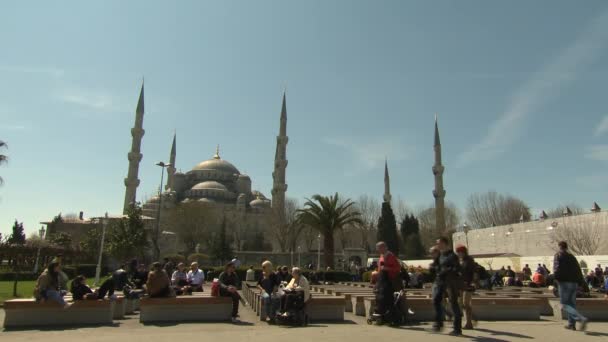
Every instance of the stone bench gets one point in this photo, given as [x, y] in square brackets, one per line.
[595, 309]
[507, 309]
[199, 308]
[131, 306]
[421, 306]
[28, 313]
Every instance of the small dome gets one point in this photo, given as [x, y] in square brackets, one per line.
[153, 199]
[210, 185]
[244, 176]
[258, 203]
[206, 200]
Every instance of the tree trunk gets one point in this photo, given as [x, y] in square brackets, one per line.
[328, 249]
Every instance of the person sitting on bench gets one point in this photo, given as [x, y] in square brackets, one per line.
[140, 277]
[158, 284]
[179, 280]
[80, 290]
[298, 283]
[196, 278]
[268, 285]
[229, 283]
[48, 286]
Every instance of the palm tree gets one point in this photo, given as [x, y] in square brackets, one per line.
[3, 158]
[328, 216]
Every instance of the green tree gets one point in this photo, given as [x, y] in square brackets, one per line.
[3, 157]
[90, 244]
[127, 236]
[258, 244]
[17, 237]
[191, 222]
[328, 214]
[387, 228]
[410, 234]
[220, 248]
[61, 239]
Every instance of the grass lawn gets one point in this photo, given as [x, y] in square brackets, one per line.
[25, 288]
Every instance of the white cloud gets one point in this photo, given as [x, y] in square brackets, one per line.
[12, 127]
[597, 152]
[540, 88]
[55, 72]
[92, 99]
[370, 154]
[602, 127]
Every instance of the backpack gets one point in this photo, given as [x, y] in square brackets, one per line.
[481, 272]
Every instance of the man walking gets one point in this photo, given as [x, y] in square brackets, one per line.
[448, 280]
[568, 276]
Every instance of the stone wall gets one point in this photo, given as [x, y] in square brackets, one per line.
[532, 238]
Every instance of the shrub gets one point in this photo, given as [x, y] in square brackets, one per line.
[175, 258]
[198, 257]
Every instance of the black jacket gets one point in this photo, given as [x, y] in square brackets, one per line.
[468, 270]
[566, 268]
[449, 270]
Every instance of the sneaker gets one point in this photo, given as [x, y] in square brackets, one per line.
[234, 320]
[437, 327]
[583, 326]
[570, 327]
[455, 333]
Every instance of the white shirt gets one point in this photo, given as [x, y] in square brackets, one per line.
[197, 277]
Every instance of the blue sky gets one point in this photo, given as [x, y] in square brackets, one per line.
[520, 88]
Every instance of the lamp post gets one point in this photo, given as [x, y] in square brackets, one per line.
[299, 256]
[160, 202]
[465, 229]
[41, 234]
[104, 224]
[319, 254]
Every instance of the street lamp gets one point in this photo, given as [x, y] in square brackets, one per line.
[104, 224]
[319, 254]
[41, 234]
[465, 229]
[160, 202]
[299, 256]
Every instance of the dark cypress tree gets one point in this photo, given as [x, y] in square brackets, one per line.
[18, 235]
[220, 248]
[411, 238]
[387, 228]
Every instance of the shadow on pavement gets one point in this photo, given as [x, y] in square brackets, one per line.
[503, 333]
[61, 327]
[595, 334]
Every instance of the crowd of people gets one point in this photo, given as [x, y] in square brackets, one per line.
[454, 275]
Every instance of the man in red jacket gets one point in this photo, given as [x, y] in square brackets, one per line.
[389, 262]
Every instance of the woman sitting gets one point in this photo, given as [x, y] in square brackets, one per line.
[158, 284]
[179, 280]
[268, 285]
[297, 286]
[47, 286]
[80, 290]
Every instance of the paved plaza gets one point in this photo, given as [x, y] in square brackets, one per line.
[354, 329]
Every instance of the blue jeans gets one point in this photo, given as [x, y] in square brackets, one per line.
[271, 305]
[567, 298]
[56, 296]
[439, 292]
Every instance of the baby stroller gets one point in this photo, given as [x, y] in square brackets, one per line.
[391, 307]
[293, 309]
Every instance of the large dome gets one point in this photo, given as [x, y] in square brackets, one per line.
[216, 164]
[210, 185]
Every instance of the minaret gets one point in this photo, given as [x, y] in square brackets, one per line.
[439, 192]
[171, 169]
[137, 132]
[387, 184]
[280, 165]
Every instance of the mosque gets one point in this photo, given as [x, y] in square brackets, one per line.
[217, 187]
